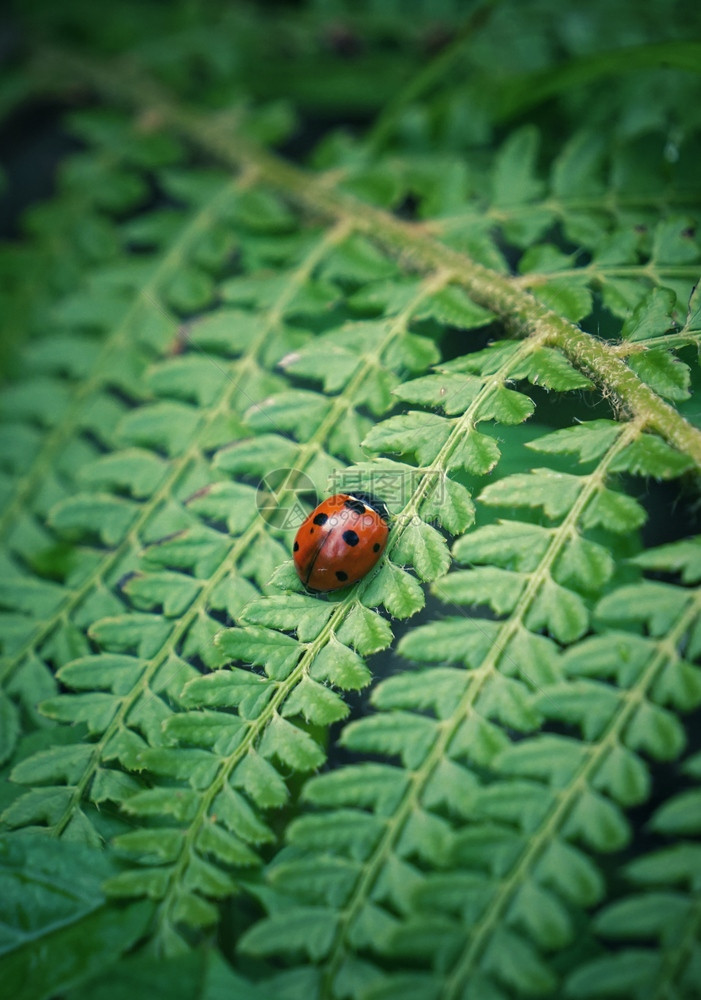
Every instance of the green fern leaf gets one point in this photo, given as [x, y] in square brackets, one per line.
[71, 927]
[438, 299]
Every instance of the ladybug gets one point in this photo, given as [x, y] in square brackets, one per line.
[341, 541]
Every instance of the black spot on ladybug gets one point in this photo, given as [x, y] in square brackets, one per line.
[355, 505]
[296, 546]
[321, 519]
[340, 575]
[350, 537]
[372, 501]
[376, 547]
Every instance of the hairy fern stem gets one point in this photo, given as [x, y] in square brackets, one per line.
[519, 311]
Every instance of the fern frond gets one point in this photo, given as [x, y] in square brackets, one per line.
[491, 327]
[487, 287]
[144, 326]
[537, 806]
[64, 878]
[145, 428]
[144, 656]
[664, 908]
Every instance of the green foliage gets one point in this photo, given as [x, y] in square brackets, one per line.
[57, 926]
[216, 783]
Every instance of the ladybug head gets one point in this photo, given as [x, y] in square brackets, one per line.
[372, 501]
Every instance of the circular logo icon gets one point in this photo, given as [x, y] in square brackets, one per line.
[279, 497]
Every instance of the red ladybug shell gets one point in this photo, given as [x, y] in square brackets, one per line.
[341, 541]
